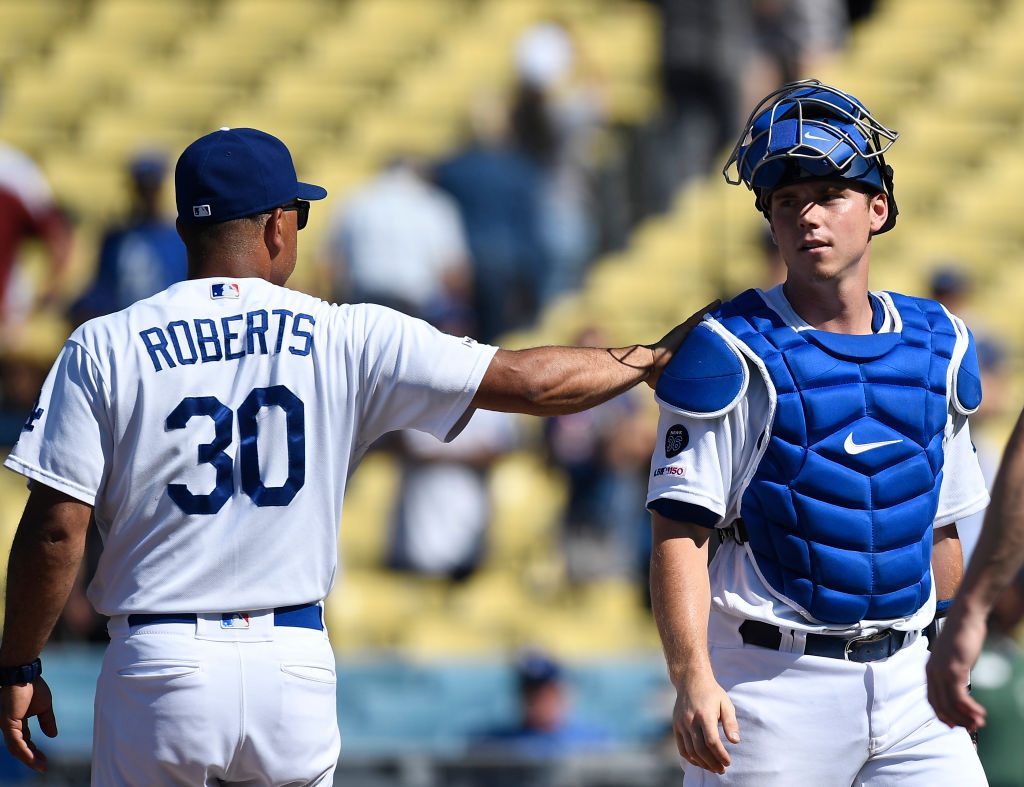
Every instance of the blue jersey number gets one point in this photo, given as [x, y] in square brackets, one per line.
[214, 453]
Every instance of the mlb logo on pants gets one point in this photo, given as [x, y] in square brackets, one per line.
[234, 620]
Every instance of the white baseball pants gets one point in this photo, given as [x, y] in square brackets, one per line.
[811, 720]
[204, 704]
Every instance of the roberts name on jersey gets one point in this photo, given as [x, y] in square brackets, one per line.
[185, 342]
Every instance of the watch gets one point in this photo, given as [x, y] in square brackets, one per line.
[18, 676]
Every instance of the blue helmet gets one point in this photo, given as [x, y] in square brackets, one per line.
[807, 130]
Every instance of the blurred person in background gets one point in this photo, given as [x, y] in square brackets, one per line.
[556, 110]
[22, 372]
[399, 242]
[705, 52]
[794, 38]
[439, 527]
[499, 192]
[605, 453]
[141, 255]
[27, 211]
[950, 284]
[546, 728]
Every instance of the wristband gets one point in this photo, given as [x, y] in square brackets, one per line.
[19, 676]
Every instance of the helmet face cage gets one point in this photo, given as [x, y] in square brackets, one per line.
[811, 130]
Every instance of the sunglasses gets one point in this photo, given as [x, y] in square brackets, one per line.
[301, 207]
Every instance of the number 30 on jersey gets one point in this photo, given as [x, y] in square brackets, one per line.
[214, 453]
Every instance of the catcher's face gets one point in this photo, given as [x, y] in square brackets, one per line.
[823, 227]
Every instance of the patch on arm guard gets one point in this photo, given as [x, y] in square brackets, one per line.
[705, 378]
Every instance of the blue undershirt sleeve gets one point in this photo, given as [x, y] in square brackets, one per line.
[678, 511]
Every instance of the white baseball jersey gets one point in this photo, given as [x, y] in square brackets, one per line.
[213, 427]
[709, 471]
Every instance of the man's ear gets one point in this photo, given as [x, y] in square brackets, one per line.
[273, 232]
[878, 204]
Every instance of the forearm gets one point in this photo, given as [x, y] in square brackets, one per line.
[1000, 550]
[559, 380]
[44, 561]
[681, 596]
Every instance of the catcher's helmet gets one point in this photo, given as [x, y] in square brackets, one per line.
[807, 130]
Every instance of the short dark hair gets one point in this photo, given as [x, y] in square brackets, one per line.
[203, 240]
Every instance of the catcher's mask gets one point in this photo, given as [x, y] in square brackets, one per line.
[807, 130]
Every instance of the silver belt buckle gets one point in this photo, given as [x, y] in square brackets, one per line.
[865, 639]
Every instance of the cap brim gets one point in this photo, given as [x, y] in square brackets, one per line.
[310, 191]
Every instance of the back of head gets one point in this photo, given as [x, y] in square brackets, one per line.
[225, 182]
[807, 130]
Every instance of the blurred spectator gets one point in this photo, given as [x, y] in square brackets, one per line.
[139, 257]
[705, 52]
[23, 368]
[27, 210]
[499, 194]
[951, 285]
[795, 38]
[556, 111]
[399, 242]
[605, 452]
[440, 522]
[546, 729]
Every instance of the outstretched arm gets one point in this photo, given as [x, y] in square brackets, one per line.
[681, 600]
[995, 562]
[44, 560]
[559, 380]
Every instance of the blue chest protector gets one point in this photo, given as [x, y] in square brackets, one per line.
[839, 509]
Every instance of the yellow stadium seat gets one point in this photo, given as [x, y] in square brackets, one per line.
[94, 191]
[26, 26]
[113, 134]
[184, 102]
[297, 17]
[369, 499]
[370, 609]
[527, 500]
[440, 636]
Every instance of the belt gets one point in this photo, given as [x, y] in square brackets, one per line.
[305, 616]
[860, 649]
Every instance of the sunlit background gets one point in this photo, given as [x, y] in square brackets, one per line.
[526, 172]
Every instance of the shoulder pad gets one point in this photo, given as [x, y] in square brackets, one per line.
[706, 377]
[966, 393]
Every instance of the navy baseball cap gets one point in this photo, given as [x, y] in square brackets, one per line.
[536, 669]
[236, 172]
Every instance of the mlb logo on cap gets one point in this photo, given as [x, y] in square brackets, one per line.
[230, 290]
[201, 211]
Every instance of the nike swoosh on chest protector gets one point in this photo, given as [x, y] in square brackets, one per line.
[853, 448]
